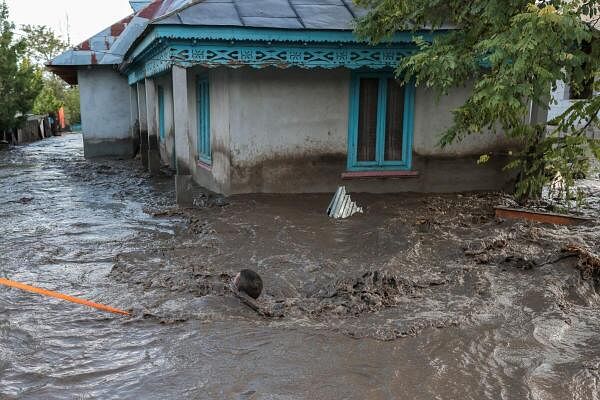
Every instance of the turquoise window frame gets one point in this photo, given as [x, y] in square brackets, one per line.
[408, 125]
[161, 113]
[203, 119]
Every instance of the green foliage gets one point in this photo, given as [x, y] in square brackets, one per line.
[72, 105]
[512, 53]
[56, 94]
[484, 158]
[42, 43]
[47, 101]
[20, 80]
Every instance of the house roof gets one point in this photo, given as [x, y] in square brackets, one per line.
[137, 5]
[110, 46]
[282, 14]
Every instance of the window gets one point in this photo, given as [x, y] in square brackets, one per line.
[203, 108]
[381, 118]
[161, 113]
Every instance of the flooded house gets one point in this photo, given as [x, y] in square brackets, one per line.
[270, 96]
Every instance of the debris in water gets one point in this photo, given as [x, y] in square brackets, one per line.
[61, 296]
[247, 286]
[589, 263]
[537, 216]
[249, 282]
[342, 206]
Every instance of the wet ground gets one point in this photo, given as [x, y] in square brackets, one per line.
[422, 297]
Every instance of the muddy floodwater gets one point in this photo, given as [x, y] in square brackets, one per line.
[420, 297]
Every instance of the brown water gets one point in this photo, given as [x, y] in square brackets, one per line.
[423, 297]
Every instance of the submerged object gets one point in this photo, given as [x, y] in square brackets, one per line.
[249, 282]
[342, 206]
[56, 295]
[540, 216]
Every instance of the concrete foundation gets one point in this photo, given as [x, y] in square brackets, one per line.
[286, 131]
[324, 174]
[184, 190]
[117, 148]
[154, 162]
[144, 148]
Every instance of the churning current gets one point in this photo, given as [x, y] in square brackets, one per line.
[422, 297]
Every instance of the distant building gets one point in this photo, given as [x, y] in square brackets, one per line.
[564, 97]
[269, 96]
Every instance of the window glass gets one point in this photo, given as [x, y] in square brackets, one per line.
[394, 127]
[161, 112]
[380, 135]
[204, 150]
[367, 119]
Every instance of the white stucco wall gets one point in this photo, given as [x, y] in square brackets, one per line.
[434, 116]
[215, 177]
[286, 126]
[276, 130]
[105, 107]
[281, 113]
[296, 112]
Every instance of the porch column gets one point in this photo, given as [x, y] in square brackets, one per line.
[183, 178]
[134, 122]
[143, 120]
[153, 149]
[538, 115]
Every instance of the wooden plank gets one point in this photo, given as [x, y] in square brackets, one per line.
[380, 174]
[543, 217]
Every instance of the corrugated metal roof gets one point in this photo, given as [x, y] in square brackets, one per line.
[93, 50]
[109, 46]
[284, 14]
[137, 5]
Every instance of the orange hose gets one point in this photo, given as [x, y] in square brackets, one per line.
[61, 296]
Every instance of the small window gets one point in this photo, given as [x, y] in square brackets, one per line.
[161, 113]
[380, 123]
[203, 108]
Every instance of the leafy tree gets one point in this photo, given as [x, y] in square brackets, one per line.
[47, 101]
[513, 52]
[42, 43]
[20, 81]
[72, 105]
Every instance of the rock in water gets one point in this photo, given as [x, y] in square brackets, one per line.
[249, 282]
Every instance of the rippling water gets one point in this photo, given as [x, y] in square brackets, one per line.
[64, 223]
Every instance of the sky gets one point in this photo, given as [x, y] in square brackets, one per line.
[85, 17]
